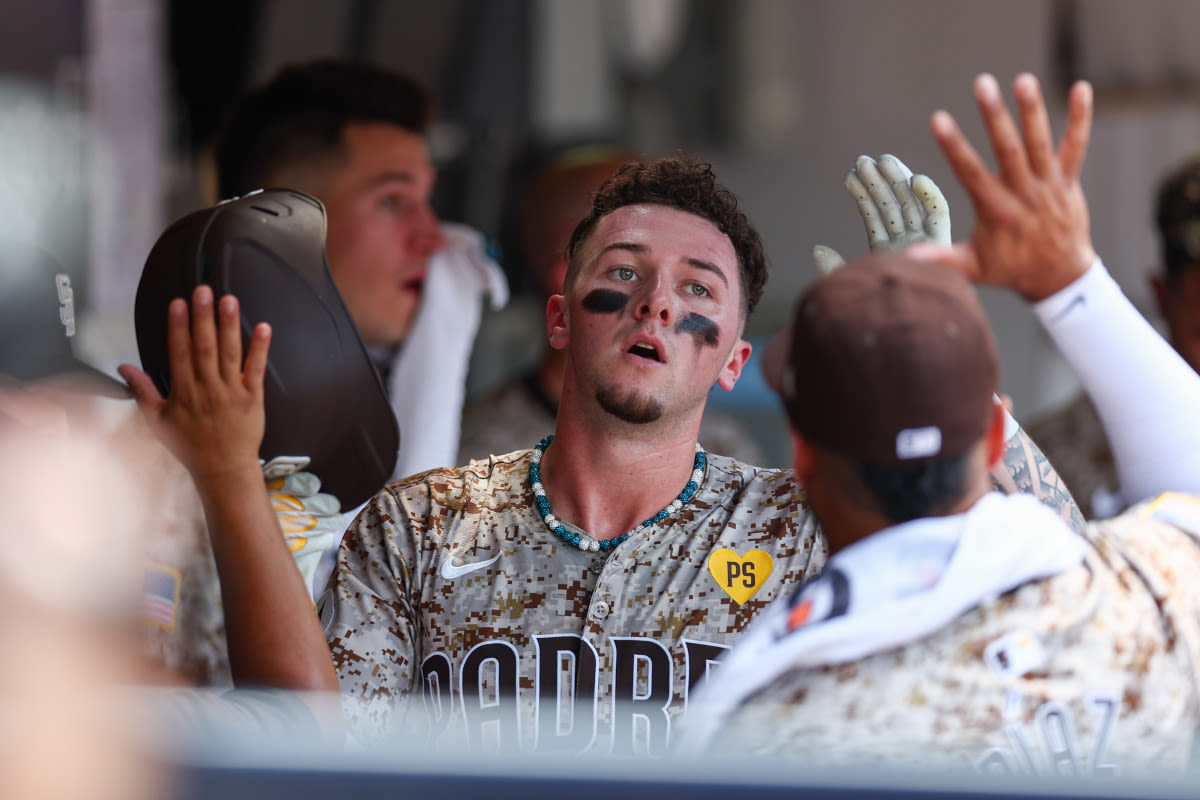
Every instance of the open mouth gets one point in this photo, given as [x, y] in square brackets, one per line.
[643, 350]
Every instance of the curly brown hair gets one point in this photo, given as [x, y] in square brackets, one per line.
[687, 185]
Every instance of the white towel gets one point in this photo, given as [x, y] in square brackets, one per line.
[1001, 543]
[429, 375]
[428, 378]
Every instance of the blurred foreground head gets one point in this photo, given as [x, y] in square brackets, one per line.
[889, 368]
[76, 514]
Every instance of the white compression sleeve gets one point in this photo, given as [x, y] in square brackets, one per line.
[1146, 395]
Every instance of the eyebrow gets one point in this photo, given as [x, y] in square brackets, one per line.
[634, 247]
[405, 177]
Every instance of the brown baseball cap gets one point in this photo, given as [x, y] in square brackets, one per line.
[887, 359]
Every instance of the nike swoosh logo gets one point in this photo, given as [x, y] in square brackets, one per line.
[1079, 301]
[450, 572]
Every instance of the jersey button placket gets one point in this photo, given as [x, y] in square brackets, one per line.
[600, 610]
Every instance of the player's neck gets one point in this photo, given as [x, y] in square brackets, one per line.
[607, 484]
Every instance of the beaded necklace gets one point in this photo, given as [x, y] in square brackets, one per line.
[586, 542]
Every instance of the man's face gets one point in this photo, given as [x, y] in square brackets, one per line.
[1179, 304]
[382, 230]
[653, 317]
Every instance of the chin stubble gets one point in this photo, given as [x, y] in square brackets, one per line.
[629, 406]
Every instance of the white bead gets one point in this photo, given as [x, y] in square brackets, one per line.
[697, 474]
[539, 490]
[550, 521]
[675, 505]
[537, 455]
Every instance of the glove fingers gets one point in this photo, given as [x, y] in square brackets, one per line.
[323, 504]
[881, 194]
[895, 163]
[300, 484]
[301, 522]
[279, 466]
[826, 259]
[868, 209]
[899, 175]
[937, 210]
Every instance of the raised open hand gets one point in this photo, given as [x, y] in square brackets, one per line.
[1032, 232]
[213, 419]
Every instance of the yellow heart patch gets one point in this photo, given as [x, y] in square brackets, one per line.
[740, 576]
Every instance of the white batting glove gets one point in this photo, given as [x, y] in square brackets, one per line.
[897, 208]
[309, 518]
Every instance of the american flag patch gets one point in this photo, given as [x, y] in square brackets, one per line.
[160, 596]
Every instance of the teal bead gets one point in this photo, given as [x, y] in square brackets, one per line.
[543, 502]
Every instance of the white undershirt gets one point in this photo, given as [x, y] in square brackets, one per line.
[1146, 395]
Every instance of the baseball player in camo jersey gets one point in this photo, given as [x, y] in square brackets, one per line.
[968, 628]
[569, 597]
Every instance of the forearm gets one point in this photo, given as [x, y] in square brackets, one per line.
[1145, 394]
[1025, 468]
[273, 633]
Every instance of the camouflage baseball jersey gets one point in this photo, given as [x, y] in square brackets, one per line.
[450, 587]
[1091, 672]
[183, 628]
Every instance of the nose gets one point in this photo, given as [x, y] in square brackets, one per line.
[426, 238]
[654, 302]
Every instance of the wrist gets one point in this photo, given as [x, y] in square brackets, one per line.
[1078, 299]
[1052, 281]
[235, 474]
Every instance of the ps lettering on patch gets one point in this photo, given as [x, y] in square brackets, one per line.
[740, 577]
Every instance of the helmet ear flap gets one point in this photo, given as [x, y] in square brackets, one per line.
[323, 396]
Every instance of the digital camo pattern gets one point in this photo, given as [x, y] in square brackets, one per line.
[513, 417]
[1073, 439]
[1091, 672]
[183, 625]
[449, 586]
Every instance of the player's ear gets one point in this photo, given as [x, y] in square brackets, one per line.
[732, 370]
[556, 322]
[995, 436]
